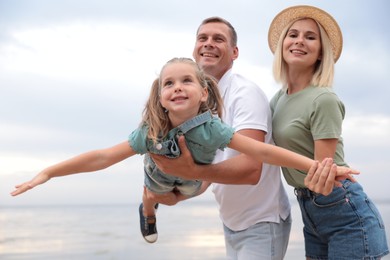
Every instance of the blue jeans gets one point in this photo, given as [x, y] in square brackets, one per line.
[264, 240]
[343, 225]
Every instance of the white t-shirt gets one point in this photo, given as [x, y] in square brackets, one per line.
[241, 206]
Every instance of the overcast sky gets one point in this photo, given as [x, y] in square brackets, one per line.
[74, 76]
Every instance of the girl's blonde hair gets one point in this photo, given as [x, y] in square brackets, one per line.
[156, 117]
[324, 69]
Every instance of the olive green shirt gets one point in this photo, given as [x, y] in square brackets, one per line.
[299, 119]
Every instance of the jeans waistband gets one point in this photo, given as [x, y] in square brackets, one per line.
[304, 193]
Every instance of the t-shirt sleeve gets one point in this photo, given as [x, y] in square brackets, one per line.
[220, 134]
[138, 140]
[327, 116]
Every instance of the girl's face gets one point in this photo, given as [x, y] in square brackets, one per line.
[181, 92]
[302, 44]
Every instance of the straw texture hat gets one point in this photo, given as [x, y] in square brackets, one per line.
[294, 13]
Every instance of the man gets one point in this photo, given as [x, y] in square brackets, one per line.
[256, 217]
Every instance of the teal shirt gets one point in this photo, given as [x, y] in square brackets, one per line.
[299, 119]
[204, 134]
[203, 140]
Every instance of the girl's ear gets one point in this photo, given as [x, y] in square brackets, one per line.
[205, 95]
[159, 102]
[164, 109]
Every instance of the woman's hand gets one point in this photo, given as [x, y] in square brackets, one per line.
[323, 177]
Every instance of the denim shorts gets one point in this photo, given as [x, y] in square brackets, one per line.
[159, 182]
[343, 225]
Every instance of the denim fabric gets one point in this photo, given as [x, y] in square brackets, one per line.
[169, 146]
[204, 135]
[159, 182]
[344, 225]
[264, 240]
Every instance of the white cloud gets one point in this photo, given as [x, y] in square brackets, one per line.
[78, 81]
[368, 131]
[82, 51]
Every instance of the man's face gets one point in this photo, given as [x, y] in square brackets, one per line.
[213, 49]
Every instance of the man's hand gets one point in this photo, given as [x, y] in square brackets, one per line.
[169, 198]
[183, 166]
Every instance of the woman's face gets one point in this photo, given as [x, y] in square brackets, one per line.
[302, 44]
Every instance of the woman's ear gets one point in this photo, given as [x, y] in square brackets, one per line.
[320, 56]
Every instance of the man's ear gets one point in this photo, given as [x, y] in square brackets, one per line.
[235, 53]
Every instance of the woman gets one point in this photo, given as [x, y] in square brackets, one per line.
[307, 119]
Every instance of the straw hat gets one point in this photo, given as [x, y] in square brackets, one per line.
[293, 13]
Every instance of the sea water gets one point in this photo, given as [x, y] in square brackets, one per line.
[188, 230]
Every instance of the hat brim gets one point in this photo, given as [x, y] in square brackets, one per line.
[294, 13]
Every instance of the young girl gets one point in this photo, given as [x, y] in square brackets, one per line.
[183, 101]
[345, 224]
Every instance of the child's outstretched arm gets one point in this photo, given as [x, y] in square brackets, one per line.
[86, 162]
[270, 154]
[275, 155]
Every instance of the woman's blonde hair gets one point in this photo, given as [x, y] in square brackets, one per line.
[156, 117]
[324, 69]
